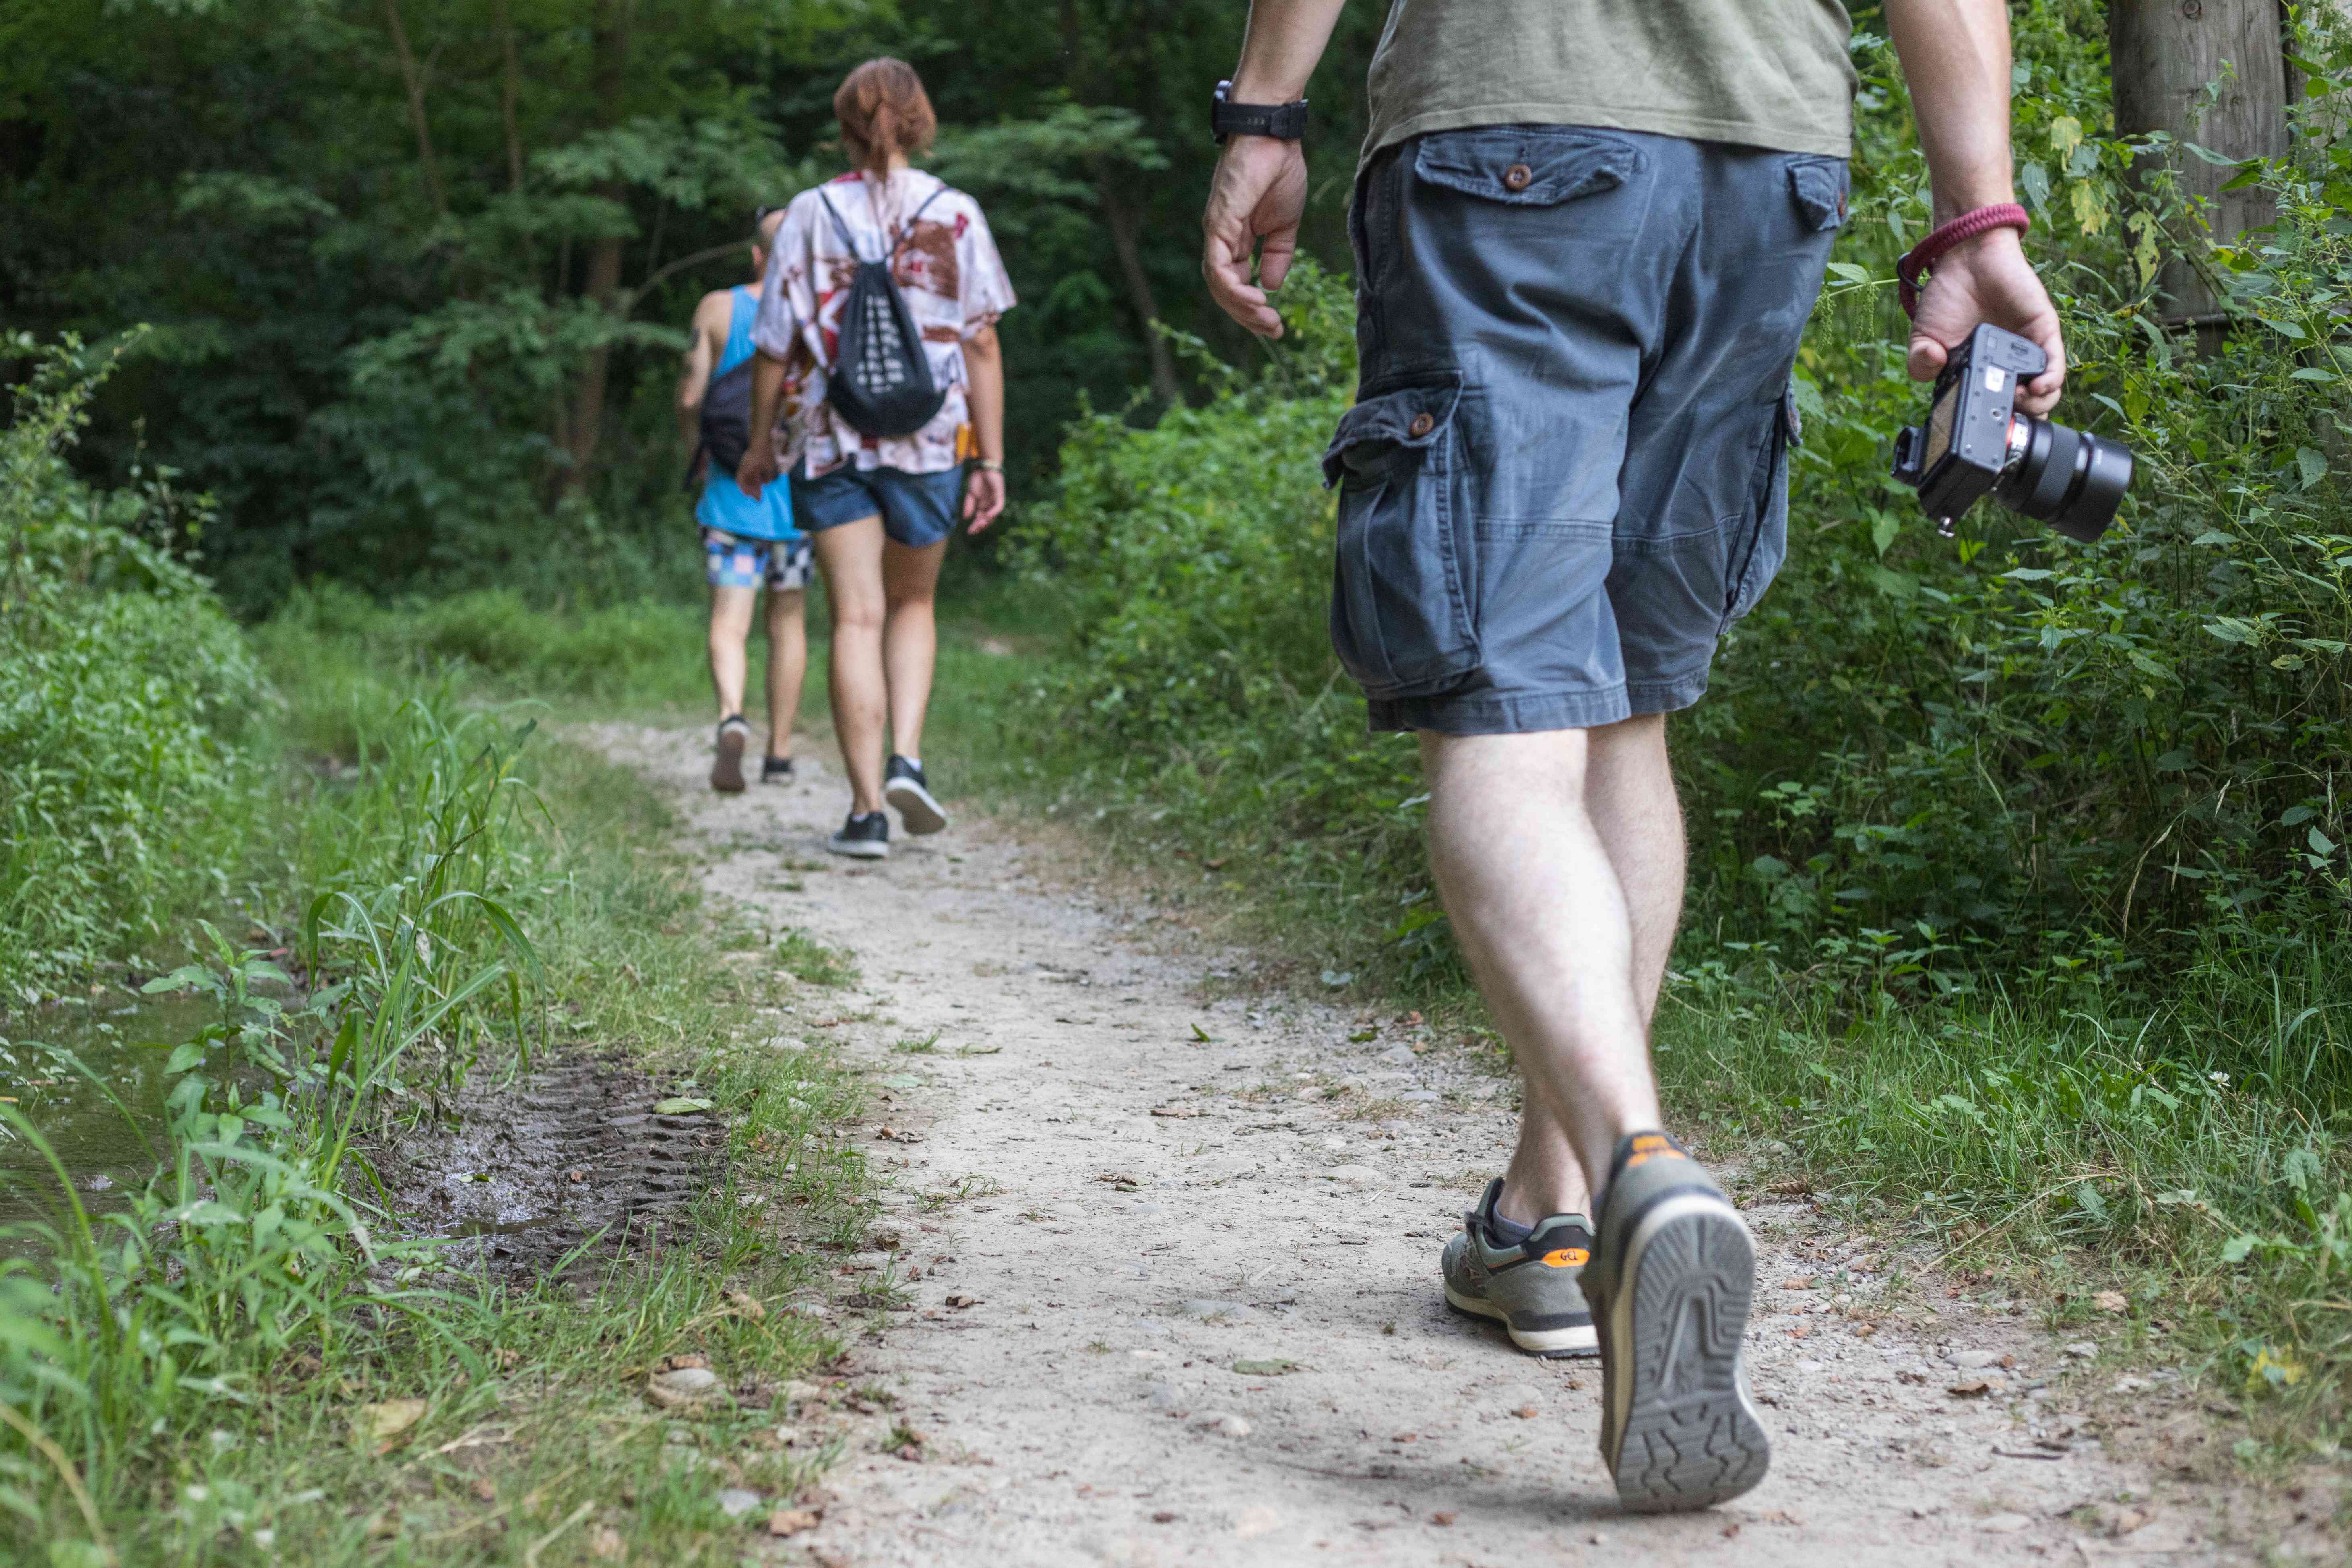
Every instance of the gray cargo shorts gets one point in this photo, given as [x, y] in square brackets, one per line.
[1565, 472]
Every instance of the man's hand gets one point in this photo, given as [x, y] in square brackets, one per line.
[1988, 280]
[760, 466]
[1259, 192]
[983, 498]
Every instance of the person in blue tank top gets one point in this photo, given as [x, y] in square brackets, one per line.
[747, 544]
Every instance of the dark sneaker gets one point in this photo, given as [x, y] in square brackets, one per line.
[1670, 1283]
[1528, 1287]
[903, 786]
[865, 837]
[775, 770]
[726, 772]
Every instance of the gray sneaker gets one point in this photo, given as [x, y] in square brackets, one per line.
[1528, 1287]
[1670, 1283]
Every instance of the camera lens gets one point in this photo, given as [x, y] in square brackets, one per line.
[2068, 479]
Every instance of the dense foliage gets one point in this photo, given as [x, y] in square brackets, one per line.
[420, 270]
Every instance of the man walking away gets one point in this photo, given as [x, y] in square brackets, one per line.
[1588, 234]
[747, 542]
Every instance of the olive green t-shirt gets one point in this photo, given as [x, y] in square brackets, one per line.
[1763, 73]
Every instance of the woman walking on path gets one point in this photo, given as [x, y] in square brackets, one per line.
[881, 507]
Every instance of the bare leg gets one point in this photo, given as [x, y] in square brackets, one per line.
[730, 627]
[911, 644]
[851, 558]
[787, 665]
[1560, 857]
[1629, 795]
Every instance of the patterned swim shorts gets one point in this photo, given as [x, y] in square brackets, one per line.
[777, 564]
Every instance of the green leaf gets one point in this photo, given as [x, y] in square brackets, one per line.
[186, 975]
[183, 1057]
[681, 1105]
[1885, 531]
[1849, 272]
[2214, 536]
[2284, 328]
[2228, 628]
[2237, 1247]
[2213, 158]
[2313, 373]
[2296, 816]
[2320, 842]
[2030, 574]
[2312, 463]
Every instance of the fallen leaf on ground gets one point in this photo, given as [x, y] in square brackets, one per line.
[793, 1521]
[680, 1105]
[2111, 1302]
[1440, 1519]
[1802, 1282]
[1972, 1389]
[749, 1308]
[386, 1423]
[1270, 1368]
[963, 1300]
[606, 1543]
[1527, 1413]
[1179, 1111]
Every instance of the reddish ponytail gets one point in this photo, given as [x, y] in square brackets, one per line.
[883, 111]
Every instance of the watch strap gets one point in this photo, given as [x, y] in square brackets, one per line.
[1286, 121]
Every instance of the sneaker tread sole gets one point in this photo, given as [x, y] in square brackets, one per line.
[859, 848]
[1689, 1436]
[915, 804]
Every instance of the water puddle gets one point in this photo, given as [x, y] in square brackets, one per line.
[106, 1153]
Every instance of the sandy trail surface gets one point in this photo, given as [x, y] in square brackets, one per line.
[1170, 1239]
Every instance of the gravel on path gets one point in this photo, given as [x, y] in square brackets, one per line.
[1178, 1299]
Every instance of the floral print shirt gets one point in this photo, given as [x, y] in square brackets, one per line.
[949, 271]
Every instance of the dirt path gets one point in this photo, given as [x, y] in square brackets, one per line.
[1111, 1215]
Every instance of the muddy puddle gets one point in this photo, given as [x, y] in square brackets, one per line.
[572, 1162]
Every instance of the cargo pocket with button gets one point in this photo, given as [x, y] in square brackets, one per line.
[1403, 616]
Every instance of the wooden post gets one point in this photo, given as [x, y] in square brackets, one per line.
[2165, 54]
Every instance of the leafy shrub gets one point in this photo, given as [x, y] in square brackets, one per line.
[127, 696]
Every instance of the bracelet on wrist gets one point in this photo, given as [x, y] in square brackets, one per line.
[988, 464]
[1916, 262]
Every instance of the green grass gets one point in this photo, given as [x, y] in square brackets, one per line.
[486, 898]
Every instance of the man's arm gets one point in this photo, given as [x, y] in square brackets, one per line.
[1261, 183]
[1955, 56]
[694, 377]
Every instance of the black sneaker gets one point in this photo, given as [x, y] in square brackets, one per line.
[776, 770]
[727, 771]
[865, 837]
[903, 786]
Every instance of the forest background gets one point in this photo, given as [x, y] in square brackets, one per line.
[2020, 905]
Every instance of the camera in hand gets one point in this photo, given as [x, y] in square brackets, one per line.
[1976, 442]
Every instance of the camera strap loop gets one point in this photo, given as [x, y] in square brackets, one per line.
[1922, 257]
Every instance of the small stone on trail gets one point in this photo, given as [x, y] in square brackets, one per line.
[1974, 1388]
[1420, 1096]
[735, 1502]
[1398, 1055]
[1162, 1396]
[1224, 1423]
[2003, 1523]
[1970, 1360]
[2082, 1350]
[681, 1386]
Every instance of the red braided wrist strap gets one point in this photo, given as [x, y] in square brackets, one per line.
[1922, 257]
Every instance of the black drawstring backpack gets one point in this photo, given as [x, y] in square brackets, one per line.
[883, 385]
[726, 421]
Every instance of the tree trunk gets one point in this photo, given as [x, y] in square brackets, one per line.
[2165, 52]
[1126, 238]
[510, 95]
[608, 48]
[412, 82]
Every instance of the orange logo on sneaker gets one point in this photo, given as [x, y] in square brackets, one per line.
[1652, 1146]
[1567, 1258]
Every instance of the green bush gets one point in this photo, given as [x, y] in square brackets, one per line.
[127, 697]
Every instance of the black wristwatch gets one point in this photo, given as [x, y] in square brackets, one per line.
[1285, 120]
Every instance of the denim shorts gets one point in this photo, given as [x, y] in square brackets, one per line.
[916, 509]
[1565, 472]
[779, 566]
